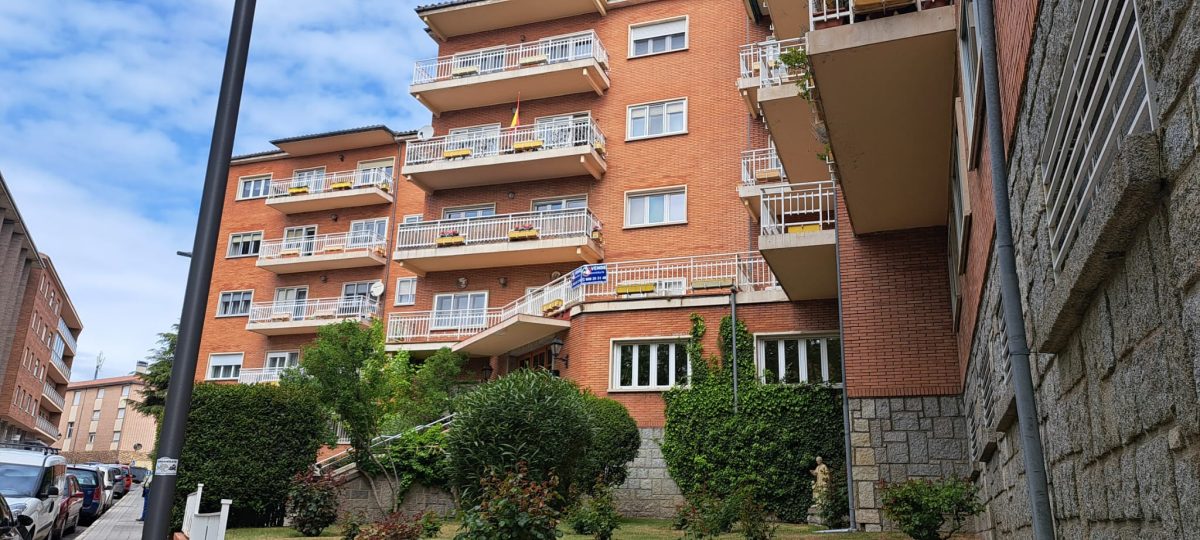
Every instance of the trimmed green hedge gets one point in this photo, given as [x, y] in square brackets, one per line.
[615, 442]
[246, 443]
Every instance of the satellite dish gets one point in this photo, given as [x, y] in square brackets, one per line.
[377, 289]
[425, 133]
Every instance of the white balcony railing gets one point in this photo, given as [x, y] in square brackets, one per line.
[325, 244]
[50, 392]
[762, 165]
[763, 60]
[315, 309]
[57, 359]
[510, 57]
[311, 184]
[499, 229]
[261, 375]
[549, 135]
[679, 276]
[67, 337]
[824, 13]
[798, 208]
[46, 427]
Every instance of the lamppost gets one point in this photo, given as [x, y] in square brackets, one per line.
[556, 347]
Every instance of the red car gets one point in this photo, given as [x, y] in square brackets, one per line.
[128, 475]
[70, 504]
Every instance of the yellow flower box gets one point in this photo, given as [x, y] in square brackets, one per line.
[534, 60]
[298, 190]
[341, 185]
[552, 306]
[464, 71]
[459, 153]
[712, 283]
[806, 228]
[635, 288]
[531, 234]
[451, 241]
[768, 174]
[525, 146]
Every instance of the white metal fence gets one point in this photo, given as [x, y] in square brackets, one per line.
[67, 337]
[763, 60]
[798, 208]
[497, 229]
[310, 184]
[325, 244]
[510, 57]
[49, 391]
[762, 165]
[548, 135]
[261, 375]
[314, 309]
[57, 360]
[46, 426]
[678, 276]
[823, 13]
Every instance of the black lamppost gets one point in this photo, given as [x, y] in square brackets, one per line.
[556, 348]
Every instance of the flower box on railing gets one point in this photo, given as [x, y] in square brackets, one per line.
[527, 146]
[290, 252]
[523, 232]
[549, 308]
[298, 190]
[465, 71]
[534, 60]
[636, 288]
[340, 186]
[804, 228]
[457, 153]
[450, 238]
[768, 175]
[712, 283]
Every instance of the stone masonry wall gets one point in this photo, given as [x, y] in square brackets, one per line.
[355, 497]
[648, 491]
[894, 439]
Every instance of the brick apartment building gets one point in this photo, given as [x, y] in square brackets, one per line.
[864, 188]
[38, 331]
[100, 424]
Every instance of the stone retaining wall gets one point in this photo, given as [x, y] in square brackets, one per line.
[649, 490]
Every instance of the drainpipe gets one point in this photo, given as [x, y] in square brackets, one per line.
[837, 254]
[1010, 294]
[733, 334]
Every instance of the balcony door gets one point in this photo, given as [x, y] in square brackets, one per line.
[481, 140]
[367, 232]
[308, 178]
[563, 131]
[301, 239]
[567, 48]
[279, 361]
[373, 173]
[459, 311]
[291, 301]
[488, 61]
[469, 212]
[355, 297]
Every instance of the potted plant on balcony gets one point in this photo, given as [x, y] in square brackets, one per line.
[597, 234]
[524, 231]
[450, 237]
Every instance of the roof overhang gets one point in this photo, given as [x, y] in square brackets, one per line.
[511, 334]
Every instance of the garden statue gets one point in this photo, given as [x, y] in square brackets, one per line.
[820, 491]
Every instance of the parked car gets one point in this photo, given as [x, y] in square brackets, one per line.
[30, 478]
[91, 482]
[106, 484]
[12, 526]
[139, 474]
[70, 502]
[120, 484]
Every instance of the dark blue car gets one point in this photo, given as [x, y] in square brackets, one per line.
[93, 492]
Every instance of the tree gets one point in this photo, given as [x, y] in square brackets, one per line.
[157, 377]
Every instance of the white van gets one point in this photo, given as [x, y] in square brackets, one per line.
[30, 474]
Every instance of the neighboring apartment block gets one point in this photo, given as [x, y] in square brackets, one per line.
[100, 423]
[38, 331]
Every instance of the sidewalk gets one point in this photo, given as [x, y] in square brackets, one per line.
[119, 522]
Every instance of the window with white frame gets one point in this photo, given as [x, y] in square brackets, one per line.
[96, 415]
[969, 52]
[279, 360]
[224, 366]
[125, 391]
[244, 244]
[958, 234]
[406, 291]
[561, 203]
[254, 187]
[116, 436]
[367, 232]
[799, 359]
[473, 211]
[375, 172]
[234, 303]
[121, 413]
[658, 37]
[91, 438]
[649, 365]
[413, 218]
[78, 397]
[308, 177]
[459, 310]
[70, 429]
[481, 140]
[656, 119]
[658, 207]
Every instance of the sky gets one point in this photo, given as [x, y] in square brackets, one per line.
[106, 117]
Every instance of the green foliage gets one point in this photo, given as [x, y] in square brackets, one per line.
[752, 515]
[352, 524]
[529, 418]
[797, 61]
[157, 377]
[922, 509]
[835, 511]
[246, 443]
[706, 516]
[513, 506]
[745, 350]
[597, 515]
[312, 503]
[427, 390]
[770, 444]
[695, 350]
[396, 526]
[416, 457]
[615, 442]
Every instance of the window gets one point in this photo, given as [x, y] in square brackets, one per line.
[970, 52]
[459, 310]
[793, 360]
[77, 398]
[91, 437]
[413, 218]
[283, 360]
[958, 234]
[406, 291]
[99, 394]
[290, 302]
[70, 429]
[567, 203]
[244, 244]
[299, 240]
[125, 391]
[355, 296]
[234, 303]
[650, 365]
[466, 212]
[658, 37]
[367, 232]
[253, 187]
[116, 436]
[656, 207]
[224, 366]
[121, 413]
[657, 119]
[480, 140]
[564, 131]
[375, 172]
[479, 62]
[96, 415]
[308, 178]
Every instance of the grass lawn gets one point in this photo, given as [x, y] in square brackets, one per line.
[631, 529]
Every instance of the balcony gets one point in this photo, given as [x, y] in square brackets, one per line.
[67, 337]
[346, 189]
[781, 96]
[55, 401]
[798, 238]
[61, 372]
[322, 252]
[522, 239]
[451, 19]
[556, 149]
[540, 314]
[306, 316]
[261, 375]
[788, 17]
[759, 167]
[47, 428]
[884, 74]
[545, 68]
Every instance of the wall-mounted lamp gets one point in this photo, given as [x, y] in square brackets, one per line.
[503, 282]
[341, 157]
[334, 217]
[462, 282]
[556, 347]
[487, 372]
[512, 194]
[324, 278]
[555, 275]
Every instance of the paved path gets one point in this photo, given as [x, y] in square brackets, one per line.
[118, 523]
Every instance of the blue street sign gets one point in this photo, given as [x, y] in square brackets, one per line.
[592, 273]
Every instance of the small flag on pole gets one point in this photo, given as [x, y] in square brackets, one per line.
[516, 121]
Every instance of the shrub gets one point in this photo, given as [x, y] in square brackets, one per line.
[597, 515]
[615, 442]
[395, 526]
[513, 506]
[529, 418]
[246, 443]
[312, 503]
[706, 516]
[352, 524]
[752, 515]
[835, 512]
[922, 508]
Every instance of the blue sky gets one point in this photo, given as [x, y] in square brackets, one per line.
[106, 115]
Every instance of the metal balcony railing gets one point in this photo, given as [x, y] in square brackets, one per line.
[67, 337]
[339, 462]
[51, 393]
[499, 229]
[762, 60]
[549, 135]
[824, 13]
[678, 276]
[762, 165]
[798, 208]
[315, 309]
[261, 375]
[313, 183]
[325, 244]
[57, 359]
[510, 58]
[47, 427]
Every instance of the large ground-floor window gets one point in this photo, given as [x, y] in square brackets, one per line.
[649, 364]
[796, 359]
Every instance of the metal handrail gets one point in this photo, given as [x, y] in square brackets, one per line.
[261, 375]
[763, 162]
[325, 244]
[498, 228]
[49, 391]
[46, 426]
[762, 60]
[329, 182]
[510, 57]
[549, 135]
[68, 338]
[334, 463]
[821, 11]
[798, 208]
[314, 309]
[57, 360]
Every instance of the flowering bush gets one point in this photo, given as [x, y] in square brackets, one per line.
[312, 503]
[524, 227]
[399, 526]
[513, 506]
[448, 233]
